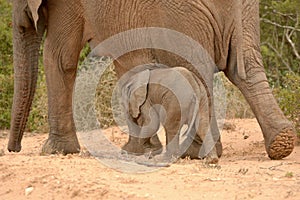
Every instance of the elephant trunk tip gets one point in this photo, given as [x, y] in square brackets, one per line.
[14, 149]
[14, 146]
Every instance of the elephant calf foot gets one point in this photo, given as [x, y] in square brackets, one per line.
[65, 146]
[194, 149]
[136, 147]
[132, 149]
[210, 160]
[212, 157]
[141, 150]
[282, 145]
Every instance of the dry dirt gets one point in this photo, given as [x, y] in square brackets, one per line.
[244, 172]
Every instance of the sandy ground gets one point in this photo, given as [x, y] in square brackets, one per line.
[244, 172]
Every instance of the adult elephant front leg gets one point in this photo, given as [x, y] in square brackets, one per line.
[278, 132]
[62, 47]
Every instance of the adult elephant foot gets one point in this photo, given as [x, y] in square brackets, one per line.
[141, 146]
[282, 144]
[55, 145]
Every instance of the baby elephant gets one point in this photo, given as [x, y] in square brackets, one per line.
[175, 98]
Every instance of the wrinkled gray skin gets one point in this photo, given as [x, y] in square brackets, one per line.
[174, 97]
[227, 29]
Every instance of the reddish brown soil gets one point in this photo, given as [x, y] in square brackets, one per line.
[244, 172]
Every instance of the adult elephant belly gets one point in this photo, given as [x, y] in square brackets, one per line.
[192, 19]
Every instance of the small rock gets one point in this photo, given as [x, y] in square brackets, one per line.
[75, 193]
[243, 171]
[69, 156]
[84, 153]
[246, 137]
[28, 190]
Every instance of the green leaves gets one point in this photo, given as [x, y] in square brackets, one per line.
[288, 96]
[6, 68]
[280, 38]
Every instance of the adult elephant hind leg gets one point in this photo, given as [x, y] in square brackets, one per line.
[278, 132]
[62, 48]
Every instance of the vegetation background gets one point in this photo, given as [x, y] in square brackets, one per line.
[280, 46]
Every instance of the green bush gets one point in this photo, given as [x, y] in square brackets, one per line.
[6, 69]
[288, 96]
[6, 96]
[280, 37]
[103, 97]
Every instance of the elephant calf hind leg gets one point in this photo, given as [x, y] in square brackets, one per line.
[155, 145]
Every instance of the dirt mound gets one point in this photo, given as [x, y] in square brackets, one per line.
[244, 172]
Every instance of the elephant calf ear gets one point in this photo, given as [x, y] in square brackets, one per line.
[138, 92]
[34, 6]
[137, 99]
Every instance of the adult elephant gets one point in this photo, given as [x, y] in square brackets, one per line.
[227, 29]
